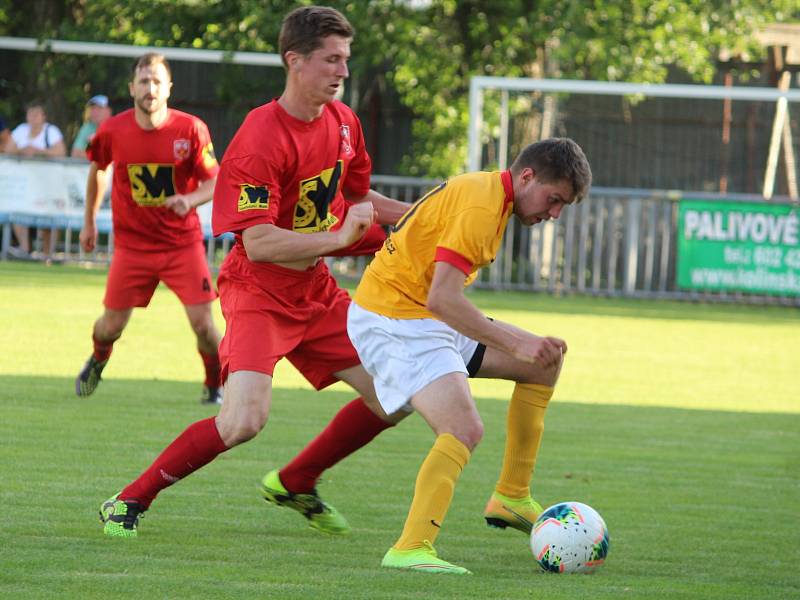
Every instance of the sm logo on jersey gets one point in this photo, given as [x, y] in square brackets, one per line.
[151, 183]
[253, 197]
[316, 195]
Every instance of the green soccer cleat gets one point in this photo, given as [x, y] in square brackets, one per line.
[120, 517]
[502, 511]
[421, 559]
[89, 377]
[321, 515]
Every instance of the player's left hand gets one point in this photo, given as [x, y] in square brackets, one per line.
[179, 204]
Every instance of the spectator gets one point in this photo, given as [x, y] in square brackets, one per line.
[97, 110]
[34, 137]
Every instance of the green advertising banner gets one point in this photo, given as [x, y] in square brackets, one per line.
[739, 247]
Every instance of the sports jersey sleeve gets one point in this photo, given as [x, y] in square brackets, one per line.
[99, 149]
[247, 193]
[205, 162]
[467, 239]
[358, 173]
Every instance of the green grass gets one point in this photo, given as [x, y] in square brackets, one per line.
[680, 423]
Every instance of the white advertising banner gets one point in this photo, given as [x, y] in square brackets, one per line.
[50, 193]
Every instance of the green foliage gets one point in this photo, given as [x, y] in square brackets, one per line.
[439, 49]
[427, 50]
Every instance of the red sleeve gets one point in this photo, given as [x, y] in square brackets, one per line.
[99, 149]
[205, 163]
[247, 193]
[452, 257]
[360, 168]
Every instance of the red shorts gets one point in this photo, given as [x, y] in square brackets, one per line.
[271, 312]
[134, 276]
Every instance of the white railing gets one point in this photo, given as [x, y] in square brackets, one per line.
[617, 242]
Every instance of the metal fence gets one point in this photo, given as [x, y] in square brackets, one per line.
[617, 242]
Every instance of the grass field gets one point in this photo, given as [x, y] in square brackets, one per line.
[680, 423]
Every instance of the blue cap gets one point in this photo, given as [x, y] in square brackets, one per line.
[98, 100]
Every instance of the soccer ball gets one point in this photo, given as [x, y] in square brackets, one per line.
[569, 537]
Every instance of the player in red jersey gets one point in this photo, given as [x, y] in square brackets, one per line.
[294, 186]
[164, 167]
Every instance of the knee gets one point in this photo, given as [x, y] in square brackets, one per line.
[535, 374]
[469, 432]
[235, 431]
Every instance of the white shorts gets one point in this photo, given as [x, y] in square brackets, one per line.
[405, 355]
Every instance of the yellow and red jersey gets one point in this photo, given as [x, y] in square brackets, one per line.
[460, 222]
[149, 166]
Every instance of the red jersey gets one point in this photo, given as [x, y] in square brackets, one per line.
[149, 166]
[290, 173]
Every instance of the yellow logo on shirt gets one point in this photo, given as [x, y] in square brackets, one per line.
[151, 184]
[253, 197]
[315, 196]
[209, 158]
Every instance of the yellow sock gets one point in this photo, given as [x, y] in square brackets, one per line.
[524, 427]
[433, 491]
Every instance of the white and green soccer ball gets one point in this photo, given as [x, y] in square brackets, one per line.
[569, 537]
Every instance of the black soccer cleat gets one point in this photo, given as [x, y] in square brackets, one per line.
[211, 395]
[89, 377]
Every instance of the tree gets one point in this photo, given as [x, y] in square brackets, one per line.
[439, 48]
[426, 50]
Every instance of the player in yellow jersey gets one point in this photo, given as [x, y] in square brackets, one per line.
[420, 337]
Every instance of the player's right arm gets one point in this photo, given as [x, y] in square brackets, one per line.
[269, 243]
[446, 300]
[95, 191]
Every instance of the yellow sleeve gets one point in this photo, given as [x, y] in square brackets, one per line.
[471, 234]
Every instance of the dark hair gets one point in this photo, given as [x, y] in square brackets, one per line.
[36, 103]
[151, 58]
[304, 28]
[556, 159]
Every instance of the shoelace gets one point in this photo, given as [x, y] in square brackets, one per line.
[312, 503]
[132, 516]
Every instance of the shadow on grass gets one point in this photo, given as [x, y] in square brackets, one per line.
[634, 308]
[26, 275]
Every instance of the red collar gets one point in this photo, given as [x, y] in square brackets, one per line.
[508, 186]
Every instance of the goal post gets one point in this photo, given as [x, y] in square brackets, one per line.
[479, 86]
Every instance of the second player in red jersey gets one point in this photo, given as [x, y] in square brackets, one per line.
[164, 167]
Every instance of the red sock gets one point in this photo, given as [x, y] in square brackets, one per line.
[197, 446]
[353, 426]
[102, 349]
[211, 364]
